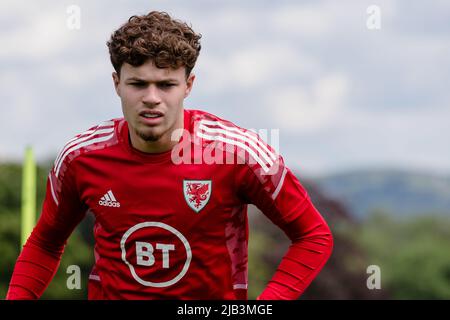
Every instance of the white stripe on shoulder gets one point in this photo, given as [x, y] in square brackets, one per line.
[253, 136]
[239, 144]
[79, 146]
[107, 126]
[79, 140]
[280, 184]
[80, 136]
[238, 136]
[53, 190]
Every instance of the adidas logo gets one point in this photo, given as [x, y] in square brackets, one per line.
[108, 200]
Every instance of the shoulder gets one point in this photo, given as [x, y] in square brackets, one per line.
[203, 122]
[97, 137]
[200, 115]
[248, 145]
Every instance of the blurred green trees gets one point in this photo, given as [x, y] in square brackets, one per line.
[413, 254]
[77, 252]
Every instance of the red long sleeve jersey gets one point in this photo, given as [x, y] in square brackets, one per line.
[173, 225]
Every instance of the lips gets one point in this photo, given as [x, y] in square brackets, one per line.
[151, 114]
[151, 117]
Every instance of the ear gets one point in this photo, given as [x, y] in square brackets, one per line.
[116, 80]
[189, 84]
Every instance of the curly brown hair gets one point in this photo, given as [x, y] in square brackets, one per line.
[156, 36]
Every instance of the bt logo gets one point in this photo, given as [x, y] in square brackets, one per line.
[145, 257]
[157, 262]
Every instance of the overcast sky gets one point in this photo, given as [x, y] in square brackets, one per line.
[343, 95]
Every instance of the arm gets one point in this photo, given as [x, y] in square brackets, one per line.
[41, 255]
[286, 203]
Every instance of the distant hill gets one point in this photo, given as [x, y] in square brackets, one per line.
[400, 193]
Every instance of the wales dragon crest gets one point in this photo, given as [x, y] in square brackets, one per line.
[197, 193]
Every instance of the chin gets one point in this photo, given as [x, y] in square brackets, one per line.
[149, 135]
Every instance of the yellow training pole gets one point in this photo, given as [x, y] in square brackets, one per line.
[28, 218]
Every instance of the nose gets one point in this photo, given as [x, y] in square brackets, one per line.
[151, 96]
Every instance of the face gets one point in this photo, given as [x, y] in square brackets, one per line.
[152, 103]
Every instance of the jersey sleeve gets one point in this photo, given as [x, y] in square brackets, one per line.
[280, 196]
[41, 254]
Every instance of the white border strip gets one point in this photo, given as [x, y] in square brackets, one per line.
[240, 286]
[94, 277]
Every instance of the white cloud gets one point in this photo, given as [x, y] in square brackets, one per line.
[73, 75]
[307, 20]
[324, 20]
[308, 108]
[256, 65]
[37, 35]
[229, 20]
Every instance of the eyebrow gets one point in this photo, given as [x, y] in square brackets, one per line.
[146, 81]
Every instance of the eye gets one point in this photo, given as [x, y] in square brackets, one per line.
[138, 84]
[166, 85]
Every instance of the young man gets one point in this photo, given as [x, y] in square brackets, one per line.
[169, 189]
